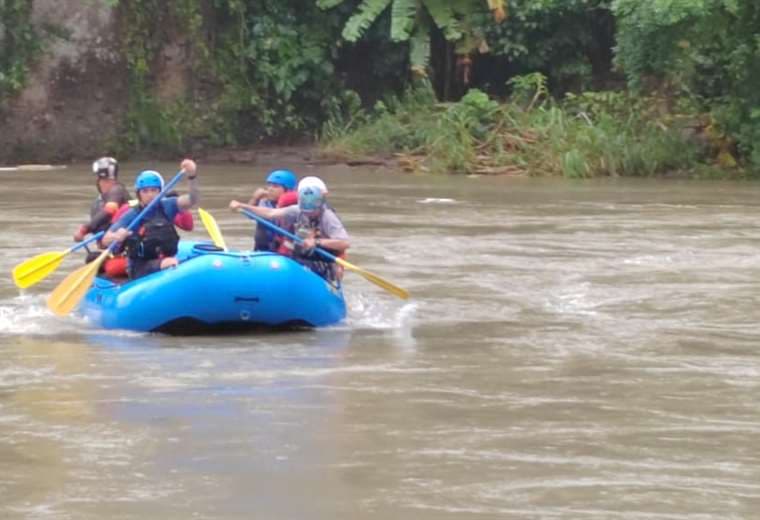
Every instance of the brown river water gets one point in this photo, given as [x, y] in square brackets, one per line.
[571, 350]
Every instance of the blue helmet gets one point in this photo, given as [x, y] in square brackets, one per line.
[149, 179]
[310, 198]
[284, 178]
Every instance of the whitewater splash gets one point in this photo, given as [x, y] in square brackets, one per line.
[28, 314]
[367, 312]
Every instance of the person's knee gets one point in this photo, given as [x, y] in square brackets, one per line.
[166, 263]
[116, 267]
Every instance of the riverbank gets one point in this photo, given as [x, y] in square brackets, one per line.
[302, 158]
[593, 134]
[590, 135]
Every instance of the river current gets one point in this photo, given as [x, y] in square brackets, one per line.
[571, 350]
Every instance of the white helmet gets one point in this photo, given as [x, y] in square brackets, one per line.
[313, 182]
[106, 168]
[311, 198]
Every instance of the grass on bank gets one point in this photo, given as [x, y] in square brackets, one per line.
[586, 135]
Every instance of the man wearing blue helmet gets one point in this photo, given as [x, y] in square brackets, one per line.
[314, 221]
[154, 245]
[278, 192]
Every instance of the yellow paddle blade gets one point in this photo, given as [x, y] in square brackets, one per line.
[385, 284]
[72, 289]
[212, 228]
[34, 270]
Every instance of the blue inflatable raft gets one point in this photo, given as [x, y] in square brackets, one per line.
[215, 291]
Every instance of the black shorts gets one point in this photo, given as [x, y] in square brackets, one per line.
[140, 268]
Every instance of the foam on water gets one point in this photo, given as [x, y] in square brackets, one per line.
[433, 200]
[28, 314]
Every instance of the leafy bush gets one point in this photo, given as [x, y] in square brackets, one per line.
[707, 50]
[20, 44]
[592, 134]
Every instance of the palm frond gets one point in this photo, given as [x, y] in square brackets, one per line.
[328, 4]
[444, 18]
[419, 47]
[403, 15]
[369, 10]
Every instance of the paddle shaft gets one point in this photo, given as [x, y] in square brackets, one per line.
[377, 280]
[72, 289]
[34, 270]
[85, 243]
[277, 229]
[73, 248]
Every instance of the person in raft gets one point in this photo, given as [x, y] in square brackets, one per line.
[112, 196]
[279, 192]
[154, 246]
[315, 222]
[183, 220]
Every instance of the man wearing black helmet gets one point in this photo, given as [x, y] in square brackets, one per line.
[111, 196]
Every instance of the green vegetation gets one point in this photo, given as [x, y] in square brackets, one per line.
[572, 87]
[20, 43]
[586, 135]
[705, 53]
[691, 104]
[414, 21]
[266, 71]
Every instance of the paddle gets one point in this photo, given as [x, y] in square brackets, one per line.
[209, 222]
[72, 289]
[385, 284]
[34, 270]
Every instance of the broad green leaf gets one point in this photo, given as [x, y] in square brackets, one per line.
[369, 10]
[403, 15]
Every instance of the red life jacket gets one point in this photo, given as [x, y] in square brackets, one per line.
[289, 198]
[184, 220]
[115, 267]
[119, 212]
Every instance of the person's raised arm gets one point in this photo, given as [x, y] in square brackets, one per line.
[259, 194]
[262, 211]
[191, 198]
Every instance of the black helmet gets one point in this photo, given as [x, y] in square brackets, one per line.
[106, 168]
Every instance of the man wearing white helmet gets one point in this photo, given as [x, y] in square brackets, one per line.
[313, 181]
[314, 221]
[111, 196]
